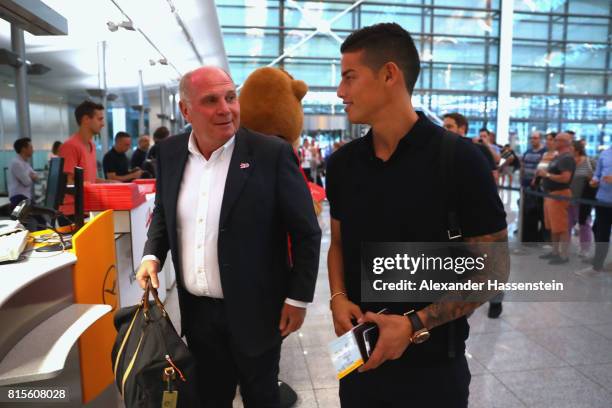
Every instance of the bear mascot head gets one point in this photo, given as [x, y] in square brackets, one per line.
[270, 103]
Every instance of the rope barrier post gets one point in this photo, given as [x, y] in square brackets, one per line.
[521, 214]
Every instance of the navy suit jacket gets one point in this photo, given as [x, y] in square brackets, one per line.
[262, 204]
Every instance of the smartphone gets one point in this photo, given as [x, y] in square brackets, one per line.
[366, 335]
[370, 337]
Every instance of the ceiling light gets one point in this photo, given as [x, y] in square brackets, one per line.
[127, 25]
[161, 61]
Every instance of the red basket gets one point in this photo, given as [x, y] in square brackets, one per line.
[115, 196]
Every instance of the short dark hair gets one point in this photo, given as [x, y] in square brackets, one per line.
[56, 145]
[161, 133]
[459, 119]
[484, 129]
[120, 135]
[551, 134]
[21, 144]
[86, 108]
[386, 42]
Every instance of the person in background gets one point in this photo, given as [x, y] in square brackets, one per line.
[54, 150]
[80, 150]
[533, 213]
[484, 137]
[21, 176]
[140, 154]
[556, 180]
[116, 163]
[582, 177]
[160, 134]
[306, 159]
[549, 155]
[603, 215]
[508, 165]
[457, 123]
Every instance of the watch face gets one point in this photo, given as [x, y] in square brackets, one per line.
[420, 337]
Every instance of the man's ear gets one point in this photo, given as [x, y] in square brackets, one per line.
[184, 110]
[391, 73]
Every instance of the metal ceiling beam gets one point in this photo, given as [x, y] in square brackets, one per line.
[33, 16]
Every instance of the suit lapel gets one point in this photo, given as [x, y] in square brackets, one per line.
[177, 164]
[240, 168]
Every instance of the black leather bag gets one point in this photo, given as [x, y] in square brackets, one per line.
[149, 358]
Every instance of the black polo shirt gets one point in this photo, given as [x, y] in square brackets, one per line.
[115, 162]
[138, 157]
[401, 200]
[488, 155]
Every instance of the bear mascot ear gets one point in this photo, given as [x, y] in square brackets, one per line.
[299, 88]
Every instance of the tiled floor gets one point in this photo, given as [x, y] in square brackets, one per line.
[535, 355]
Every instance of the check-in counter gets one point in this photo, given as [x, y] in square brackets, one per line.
[131, 226]
[53, 308]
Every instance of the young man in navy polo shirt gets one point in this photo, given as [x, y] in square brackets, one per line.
[384, 187]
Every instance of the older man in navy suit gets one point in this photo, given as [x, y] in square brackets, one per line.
[227, 198]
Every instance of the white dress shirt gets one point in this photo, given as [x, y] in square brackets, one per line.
[198, 215]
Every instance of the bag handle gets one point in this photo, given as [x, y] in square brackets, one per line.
[149, 289]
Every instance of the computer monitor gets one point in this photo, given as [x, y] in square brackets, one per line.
[56, 189]
[56, 183]
[77, 192]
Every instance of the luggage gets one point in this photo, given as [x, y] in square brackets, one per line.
[151, 364]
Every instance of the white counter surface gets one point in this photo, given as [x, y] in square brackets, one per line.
[15, 276]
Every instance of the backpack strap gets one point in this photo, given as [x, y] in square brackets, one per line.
[448, 185]
[447, 182]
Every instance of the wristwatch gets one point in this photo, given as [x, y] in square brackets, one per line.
[420, 333]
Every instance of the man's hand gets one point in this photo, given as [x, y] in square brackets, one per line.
[594, 183]
[541, 172]
[343, 310]
[607, 179]
[395, 334]
[33, 176]
[148, 269]
[137, 173]
[291, 319]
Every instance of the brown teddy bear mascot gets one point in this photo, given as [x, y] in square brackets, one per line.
[270, 103]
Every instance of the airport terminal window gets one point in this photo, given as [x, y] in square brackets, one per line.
[559, 56]
[559, 73]
[320, 45]
[411, 18]
[258, 42]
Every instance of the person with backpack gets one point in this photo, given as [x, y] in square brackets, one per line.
[388, 186]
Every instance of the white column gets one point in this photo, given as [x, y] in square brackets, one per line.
[505, 71]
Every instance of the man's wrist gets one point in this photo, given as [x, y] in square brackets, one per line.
[150, 258]
[336, 295]
[296, 303]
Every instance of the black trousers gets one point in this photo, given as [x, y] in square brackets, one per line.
[401, 384]
[221, 366]
[533, 219]
[601, 230]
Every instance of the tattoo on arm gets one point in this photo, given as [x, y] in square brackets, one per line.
[455, 304]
